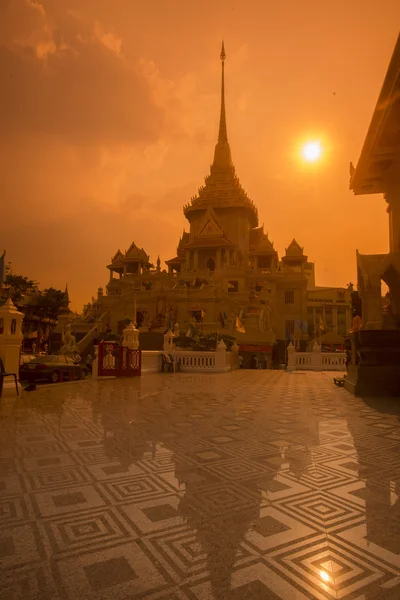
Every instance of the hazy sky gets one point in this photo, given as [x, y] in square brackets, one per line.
[109, 115]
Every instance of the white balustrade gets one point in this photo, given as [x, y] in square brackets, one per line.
[196, 361]
[316, 361]
[190, 361]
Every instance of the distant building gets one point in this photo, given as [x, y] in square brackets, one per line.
[226, 274]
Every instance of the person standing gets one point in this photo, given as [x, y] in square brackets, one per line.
[89, 362]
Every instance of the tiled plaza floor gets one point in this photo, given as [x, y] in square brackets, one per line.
[255, 484]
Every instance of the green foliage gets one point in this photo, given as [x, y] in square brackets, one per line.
[112, 337]
[49, 302]
[203, 342]
[20, 285]
[44, 303]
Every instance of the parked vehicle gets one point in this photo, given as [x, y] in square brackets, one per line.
[24, 360]
[52, 368]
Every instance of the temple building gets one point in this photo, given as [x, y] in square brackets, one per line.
[226, 274]
[378, 172]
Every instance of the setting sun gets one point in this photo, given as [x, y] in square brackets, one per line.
[312, 151]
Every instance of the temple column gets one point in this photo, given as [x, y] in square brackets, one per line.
[314, 319]
[195, 260]
[393, 199]
[125, 270]
[111, 275]
[218, 265]
[335, 323]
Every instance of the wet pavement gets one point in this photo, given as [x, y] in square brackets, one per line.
[253, 484]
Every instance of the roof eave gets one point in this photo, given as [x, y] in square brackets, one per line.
[363, 181]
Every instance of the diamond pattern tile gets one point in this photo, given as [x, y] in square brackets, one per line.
[253, 484]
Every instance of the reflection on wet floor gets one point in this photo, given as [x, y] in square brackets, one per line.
[253, 484]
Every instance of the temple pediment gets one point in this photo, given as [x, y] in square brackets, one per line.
[117, 258]
[294, 249]
[372, 267]
[135, 254]
[210, 226]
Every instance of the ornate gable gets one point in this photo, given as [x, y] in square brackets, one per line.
[117, 258]
[266, 245]
[294, 249]
[136, 254]
[256, 235]
[210, 226]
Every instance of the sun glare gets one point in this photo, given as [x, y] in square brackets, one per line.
[312, 151]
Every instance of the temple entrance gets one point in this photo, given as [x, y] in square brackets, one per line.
[210, 264]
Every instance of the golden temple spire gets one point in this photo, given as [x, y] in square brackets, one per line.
[222, 155]
[223, 135]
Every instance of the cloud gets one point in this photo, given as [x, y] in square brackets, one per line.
[62, 76]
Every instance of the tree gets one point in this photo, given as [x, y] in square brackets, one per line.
[19, 286]
[49, 302]
[44, 303]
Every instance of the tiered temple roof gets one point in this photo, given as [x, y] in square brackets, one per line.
[294, 253]
[134, 254]
[222, 188]
[260, 242]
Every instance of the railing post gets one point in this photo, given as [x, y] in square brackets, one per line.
[316, 357]
[220, 355]
[291, 357]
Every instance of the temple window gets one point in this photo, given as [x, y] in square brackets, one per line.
[211, 264]
[13, 326]
[289, 297]
[290, 326]
[197, 315]
[233, 286]
[264, 262]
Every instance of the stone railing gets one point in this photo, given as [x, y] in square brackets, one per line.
[316, 361]
[195, 361]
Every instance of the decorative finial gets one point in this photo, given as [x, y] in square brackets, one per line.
[223, 55]
[222, 154]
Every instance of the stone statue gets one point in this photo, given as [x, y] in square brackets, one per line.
[176, 329]
[69, 348]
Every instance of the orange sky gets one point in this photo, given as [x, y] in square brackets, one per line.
[109, 116]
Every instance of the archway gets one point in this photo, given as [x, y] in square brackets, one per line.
[210, 264]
